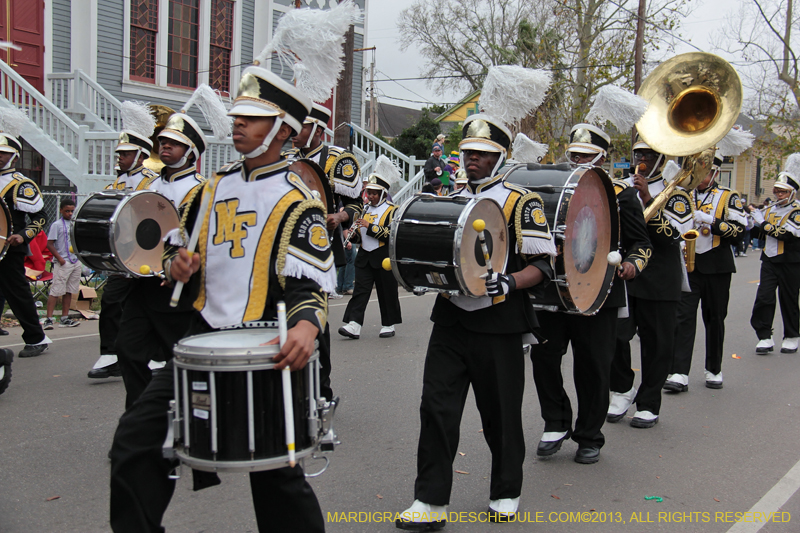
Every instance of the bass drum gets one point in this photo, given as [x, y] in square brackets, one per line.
[582, 211]
[123, 231]
[433, 247]
[6, 228]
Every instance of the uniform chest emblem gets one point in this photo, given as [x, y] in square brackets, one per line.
[318, 237]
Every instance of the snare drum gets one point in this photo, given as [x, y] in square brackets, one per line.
[433, 247]
[229, 412]
[581, 208]
[6, 227]
[121, 231]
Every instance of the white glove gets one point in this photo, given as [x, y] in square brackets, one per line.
[499, 284]
[758, 216]
[703, 218]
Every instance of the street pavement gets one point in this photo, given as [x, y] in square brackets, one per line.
[713, 454]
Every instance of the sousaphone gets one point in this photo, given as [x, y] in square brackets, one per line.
[695, 99]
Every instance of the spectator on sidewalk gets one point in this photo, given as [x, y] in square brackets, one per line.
[66, 267]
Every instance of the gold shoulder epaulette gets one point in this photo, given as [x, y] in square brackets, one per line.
[230, 167]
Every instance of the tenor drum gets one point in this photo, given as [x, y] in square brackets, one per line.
[581, 209]
[121, 231]
[229, 411]
[6, 227]
[433, 247]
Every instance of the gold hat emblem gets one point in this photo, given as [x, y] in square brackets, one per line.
[175, 123]
[582, 136]
[479, 129]
[248, 86]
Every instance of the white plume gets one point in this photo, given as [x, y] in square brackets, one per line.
[309, 41]
[620, 107]
[387, 169]
[671, 170]
[735, 142]
[511, 92]
[526, 150]
[12, 120]
[793, 165]
[213, 109]
[138, 118]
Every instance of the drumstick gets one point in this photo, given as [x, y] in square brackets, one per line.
[479, 225]
[615, 259]
[286, 376]
[193, 238]
[145, 270]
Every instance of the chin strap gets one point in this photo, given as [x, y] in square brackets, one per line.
[310, 137]
[265, 145]
[500, 162]
[656, 166]
[10, 163]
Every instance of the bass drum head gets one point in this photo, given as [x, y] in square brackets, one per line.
[316, 180]
[592, 230]
[5, 227]
[140, 224]
[468, 247]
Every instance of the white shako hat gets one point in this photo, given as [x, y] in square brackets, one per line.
[319, 115]
[183, 128]
[789, 179]
[611, 104]
[588, 139]
[264, 94]
[138, 124]
[384, 176]
[12, 120]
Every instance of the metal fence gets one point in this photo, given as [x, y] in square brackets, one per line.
[52, 201]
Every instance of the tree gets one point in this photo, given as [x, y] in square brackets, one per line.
[417, 140]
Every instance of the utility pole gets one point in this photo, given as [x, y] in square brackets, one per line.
[373, 117]
[344, 92]
[638, 55]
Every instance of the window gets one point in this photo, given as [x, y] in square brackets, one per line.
[182, 45]
[219, 76]
[144, 26]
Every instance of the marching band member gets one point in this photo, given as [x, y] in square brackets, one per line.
[593, 338]
[150, 327]
[780, 257]
[720, 220]
[372, 224]
[478, 341]
[235, 249]
[132, 150]
[28, 218]
[653, 297]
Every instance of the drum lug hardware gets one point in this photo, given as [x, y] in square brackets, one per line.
[168, 448]
[329, 440]
[324, 468]
[419, 291]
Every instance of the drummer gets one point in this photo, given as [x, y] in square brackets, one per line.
[133, 149]
[293, 262]
[478, 341]
[593, 338]
[150, 327]
[342, 169]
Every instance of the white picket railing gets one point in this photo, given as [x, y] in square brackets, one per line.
[77, 92]
[368, 147]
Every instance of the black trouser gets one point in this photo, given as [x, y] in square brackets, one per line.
[146, 334]
[17, 291]
[786, 278]
[655, 321]
[112, 301]
[495, 366]
[325, 364]
[593, 340]
[713, 291]
[386, 286]
[141, 489]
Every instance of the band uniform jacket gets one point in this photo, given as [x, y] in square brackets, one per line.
[635, 246]
[530, 243]
[137, 179]
[713, 252]
[341, 168]
[375, 237]
[781, 227]
[262, 240]
[26, 206]
[663, 277]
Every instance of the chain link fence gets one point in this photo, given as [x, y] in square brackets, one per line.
[52, 201]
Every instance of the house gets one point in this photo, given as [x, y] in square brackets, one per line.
[456, 114]
[392, 119]
[86, 56]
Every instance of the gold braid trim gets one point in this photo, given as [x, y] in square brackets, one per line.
[518, 218]
[187, 202]
[286, 236]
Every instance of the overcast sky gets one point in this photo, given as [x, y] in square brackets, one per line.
[390, 62]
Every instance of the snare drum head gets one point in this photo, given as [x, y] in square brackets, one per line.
[142, 221]
[5, 227]
[469, 252]
[592, 230]
[229, 346]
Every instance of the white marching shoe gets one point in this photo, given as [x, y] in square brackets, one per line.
[352, 330]
[503, 510]
[155, 366]
[764, 346]
[713, 381]
[619, 404]
[677, 383]
[422, 517]
[644, 419]
[790, 345]
[386, 331]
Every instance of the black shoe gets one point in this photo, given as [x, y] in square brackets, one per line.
[6, 357]
[549, 448]
[615, 418]
[105, 372]
[587, 455]
[714, 384]
[32, 350]
[3, 332]
[419, 526]
[671, 386]
[642, 423]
